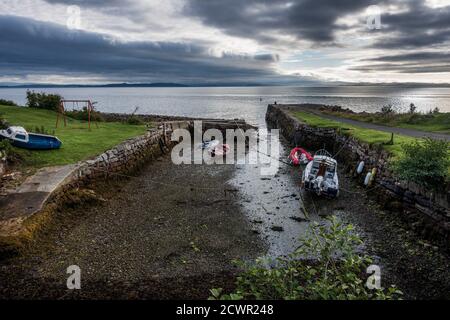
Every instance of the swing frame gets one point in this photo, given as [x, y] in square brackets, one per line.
[62, 111]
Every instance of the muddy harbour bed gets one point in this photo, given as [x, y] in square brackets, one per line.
[172, 231]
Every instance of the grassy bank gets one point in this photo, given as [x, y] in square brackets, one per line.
[365, 135]
[431, 122]
[78, 143]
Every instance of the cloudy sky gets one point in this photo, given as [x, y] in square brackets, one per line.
[224, 41]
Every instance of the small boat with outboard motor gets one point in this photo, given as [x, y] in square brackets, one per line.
[299, 156]
[320, 175]
[19, 137]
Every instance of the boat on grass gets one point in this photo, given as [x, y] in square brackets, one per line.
[320, 175]
[19, 137]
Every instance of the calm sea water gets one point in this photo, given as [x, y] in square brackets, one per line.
[244, 102]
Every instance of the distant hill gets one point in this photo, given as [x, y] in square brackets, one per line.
[219, 84]
[109, 85]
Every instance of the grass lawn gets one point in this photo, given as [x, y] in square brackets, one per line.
[435, 122]
[365, 135]
[78, 143]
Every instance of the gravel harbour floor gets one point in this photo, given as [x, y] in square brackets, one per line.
[148, 240]
[155, 237]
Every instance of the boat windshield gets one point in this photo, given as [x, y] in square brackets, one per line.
[20, 137]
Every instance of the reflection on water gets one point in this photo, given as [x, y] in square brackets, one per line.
[245, 102]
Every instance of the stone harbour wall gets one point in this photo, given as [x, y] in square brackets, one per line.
[127, 156]
[428, 213]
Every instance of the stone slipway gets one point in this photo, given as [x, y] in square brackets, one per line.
[31, 196]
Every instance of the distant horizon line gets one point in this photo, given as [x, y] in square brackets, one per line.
[199, 85]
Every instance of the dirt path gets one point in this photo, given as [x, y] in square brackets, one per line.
[147, 240]
[403, 131]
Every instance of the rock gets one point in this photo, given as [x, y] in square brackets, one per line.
[298, 219]
[277, 228]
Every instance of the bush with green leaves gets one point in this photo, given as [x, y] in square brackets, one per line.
[327, 266]
[83, 115]
[4, 102]
[43, 100]
[425, 162]
[387, 110]
[12, 155]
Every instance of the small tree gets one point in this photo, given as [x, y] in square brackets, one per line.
[425, 163]
[412, 108]
[43, 100]
[387, 110]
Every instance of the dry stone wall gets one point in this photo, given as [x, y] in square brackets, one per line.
[427, 212]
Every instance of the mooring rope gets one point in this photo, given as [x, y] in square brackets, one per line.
[258, 151]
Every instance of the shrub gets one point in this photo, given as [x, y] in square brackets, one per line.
[4, 102]
[387, 110]
[11, 154]
[43, 100]
[134, 121]
[425, 163]
[83, 115]
[412, 108]
[335, 273]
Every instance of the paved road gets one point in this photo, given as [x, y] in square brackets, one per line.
[403, 131]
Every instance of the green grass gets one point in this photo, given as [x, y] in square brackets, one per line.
[433, 122]
[78, 143]
[365, 135]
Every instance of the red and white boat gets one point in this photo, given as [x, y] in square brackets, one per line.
[299, 156]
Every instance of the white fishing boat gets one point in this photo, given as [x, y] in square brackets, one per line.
[19, 137]
[320, 175]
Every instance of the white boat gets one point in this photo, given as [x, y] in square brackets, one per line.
[208, 145]
[19, 137]
[320, 175]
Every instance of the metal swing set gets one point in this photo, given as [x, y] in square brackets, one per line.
[62, 110]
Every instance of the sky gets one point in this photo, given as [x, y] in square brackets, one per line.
[292, 42]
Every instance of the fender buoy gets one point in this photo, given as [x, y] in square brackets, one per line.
[372, 176]
[360, 167]
[297, 154]
[367, 179]
[221, 149]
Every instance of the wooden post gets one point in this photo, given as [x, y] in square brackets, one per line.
[61, 113]
[89, 114]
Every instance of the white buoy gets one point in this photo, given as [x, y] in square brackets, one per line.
[360, 167]
[367, 179]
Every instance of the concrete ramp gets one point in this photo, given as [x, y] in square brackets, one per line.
[30, 197]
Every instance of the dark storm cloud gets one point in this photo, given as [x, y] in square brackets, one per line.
[416, 62]
[313, 20]
[90, 3]
[419, 26]
[422, 57]
[404, 68]
[316, 20]
[29, 46]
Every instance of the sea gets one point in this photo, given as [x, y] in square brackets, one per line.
[247, 103]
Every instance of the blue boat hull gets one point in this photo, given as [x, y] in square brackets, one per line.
[38, 142]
